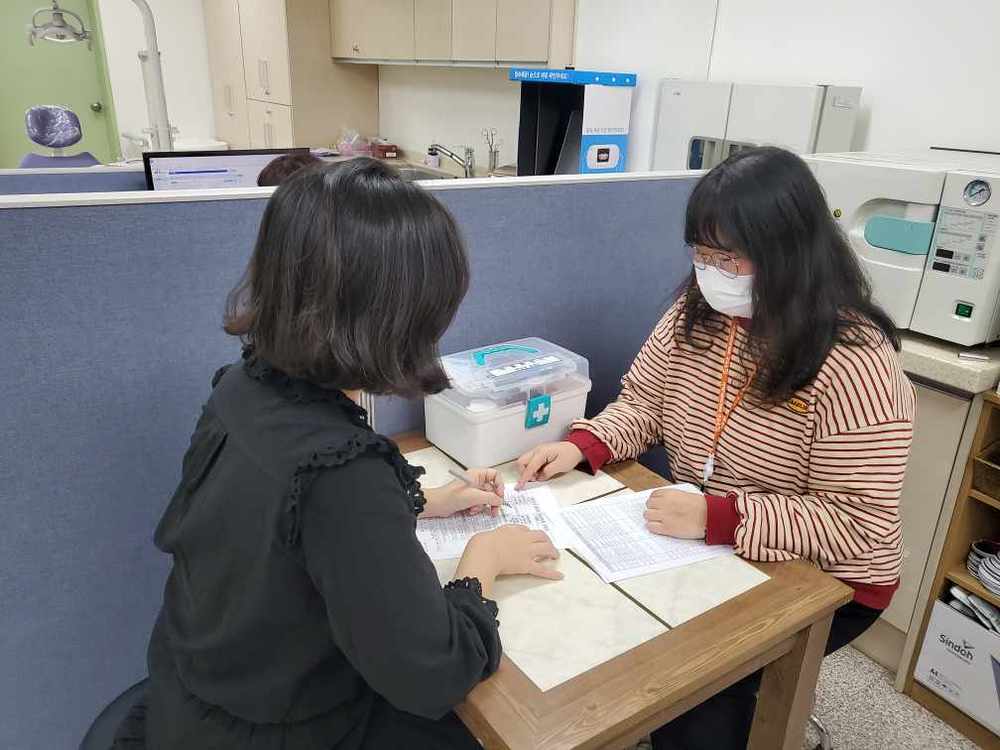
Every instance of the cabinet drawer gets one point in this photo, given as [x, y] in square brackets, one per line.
[270, 125]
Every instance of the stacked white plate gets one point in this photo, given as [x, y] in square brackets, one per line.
[983, 563]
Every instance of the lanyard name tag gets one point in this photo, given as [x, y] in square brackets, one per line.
[709, 469]
[721, 413]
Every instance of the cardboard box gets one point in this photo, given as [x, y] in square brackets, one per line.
[960, 661]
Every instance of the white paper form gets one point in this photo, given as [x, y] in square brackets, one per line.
[536, 508]
[613, 538]
[571, 488]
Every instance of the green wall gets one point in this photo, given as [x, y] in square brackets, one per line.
[51, 73]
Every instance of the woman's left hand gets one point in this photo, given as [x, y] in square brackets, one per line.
[458, 496]
[676, 513]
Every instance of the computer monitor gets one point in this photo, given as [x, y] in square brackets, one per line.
[194, 170]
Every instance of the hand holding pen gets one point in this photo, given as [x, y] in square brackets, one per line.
[479, 483]
[473, 491]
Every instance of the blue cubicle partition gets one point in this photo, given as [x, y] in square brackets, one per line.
[83, 180]
[110, 338]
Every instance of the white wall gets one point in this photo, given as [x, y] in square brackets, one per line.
[653, 38]
[180, 31]
[928, 68]
[928, 71]
[420, 105]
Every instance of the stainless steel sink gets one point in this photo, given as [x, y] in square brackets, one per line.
[419, 173]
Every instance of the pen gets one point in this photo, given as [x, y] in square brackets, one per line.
[463, 478]
[489, 487]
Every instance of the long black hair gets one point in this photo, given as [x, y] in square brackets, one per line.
[355, 276]
[809, 291]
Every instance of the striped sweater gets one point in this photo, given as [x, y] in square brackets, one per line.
[817, 477]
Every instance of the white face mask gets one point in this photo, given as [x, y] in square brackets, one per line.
[725, 295]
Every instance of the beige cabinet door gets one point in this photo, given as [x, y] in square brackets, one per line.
[270, 125]
[347, 27]
[937, 431]
[372, 29]
[474, 30]
[432, 29]
[523, 30]
[225, 59]
[265, 50]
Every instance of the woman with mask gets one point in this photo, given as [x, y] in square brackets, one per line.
[774, 385]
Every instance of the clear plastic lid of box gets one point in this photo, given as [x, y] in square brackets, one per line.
[502, 374]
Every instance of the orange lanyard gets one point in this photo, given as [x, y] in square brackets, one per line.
[722, 414]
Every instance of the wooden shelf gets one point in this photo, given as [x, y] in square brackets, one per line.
[964, 578]
[973, 517]
[984, 498]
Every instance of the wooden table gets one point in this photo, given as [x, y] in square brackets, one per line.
[780, 626]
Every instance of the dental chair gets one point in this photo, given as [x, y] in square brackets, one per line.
[57, 128]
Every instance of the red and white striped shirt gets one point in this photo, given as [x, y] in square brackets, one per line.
[817, 477]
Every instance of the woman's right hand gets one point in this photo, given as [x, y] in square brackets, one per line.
[508, 550]
[548, 460]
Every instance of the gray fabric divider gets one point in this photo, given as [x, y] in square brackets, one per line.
[111, 332]
[30, 182]
[111, 328]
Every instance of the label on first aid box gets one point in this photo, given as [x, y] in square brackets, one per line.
[522, 365]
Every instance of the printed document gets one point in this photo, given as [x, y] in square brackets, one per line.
[612, 536]
[536, 508]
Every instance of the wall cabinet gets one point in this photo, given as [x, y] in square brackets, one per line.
[523, 28]
[432, 29]
[225, 57]
[373, 29]
[273, 80]
[265, 50]
[347, 27]
[473, 32]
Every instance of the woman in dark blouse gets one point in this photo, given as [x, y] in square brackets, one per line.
[301, 611]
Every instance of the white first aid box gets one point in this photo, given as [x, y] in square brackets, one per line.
[505, 399]
[960, 661]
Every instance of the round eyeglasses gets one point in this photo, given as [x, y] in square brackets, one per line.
[702, 258]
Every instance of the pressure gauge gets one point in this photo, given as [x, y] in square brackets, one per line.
[977, 192]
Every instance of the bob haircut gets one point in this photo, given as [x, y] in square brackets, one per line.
[809, 291]
[355, 276]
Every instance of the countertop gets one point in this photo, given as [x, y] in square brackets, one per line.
[937, 362]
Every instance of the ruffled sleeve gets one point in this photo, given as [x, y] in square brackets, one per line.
[420, 647]
[362, 441]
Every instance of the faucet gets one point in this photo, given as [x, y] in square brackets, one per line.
[468, 163]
